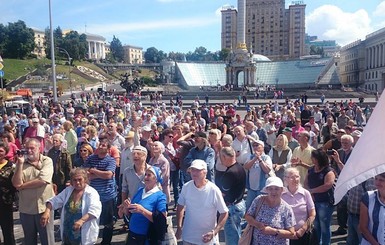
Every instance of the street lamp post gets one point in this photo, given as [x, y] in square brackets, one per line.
[62, 50]
[52, 54]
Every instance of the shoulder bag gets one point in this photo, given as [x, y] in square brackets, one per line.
[247, 235]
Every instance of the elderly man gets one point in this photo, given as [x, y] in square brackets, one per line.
[33, 179]
[101, 169]
[301, 158]
[241, 145]
[62, 163]
[198, 204]
[203, 151]
[36, 131]
[250, 130]
[232, 185]
[114, 137]
[133, 175]
[329, 130]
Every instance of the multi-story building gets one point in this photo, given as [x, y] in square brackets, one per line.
[375, 61]
[363, 62]
[39, 50]
[352, 64]
[229, 28]
[271, 29]
[133, 54]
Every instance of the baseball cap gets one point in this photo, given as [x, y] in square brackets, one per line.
[201, 134]
[259, 142]
[198, 164]
[146, 128]
[287, 129]
[140, 148]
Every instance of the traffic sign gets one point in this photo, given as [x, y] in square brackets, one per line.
[1, 73]
[1, 65]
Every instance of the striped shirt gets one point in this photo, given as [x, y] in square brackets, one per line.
[105, 187]
[376, 212]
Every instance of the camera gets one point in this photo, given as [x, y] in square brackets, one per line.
[330, 152]
[22, 152]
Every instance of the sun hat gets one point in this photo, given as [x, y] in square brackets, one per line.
[272, 181]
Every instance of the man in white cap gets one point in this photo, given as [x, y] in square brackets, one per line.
[203, 200]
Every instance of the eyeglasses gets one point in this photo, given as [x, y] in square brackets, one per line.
[110, 126]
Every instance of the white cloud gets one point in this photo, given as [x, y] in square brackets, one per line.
[155, 25]
[329, 22]
[380, 10]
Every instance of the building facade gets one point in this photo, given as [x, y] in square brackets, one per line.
[133, 54]
[352, 64]
[229, 28]
[363, 63]
[375, 61]
[271, 29]
[96, 46]
[39, 50]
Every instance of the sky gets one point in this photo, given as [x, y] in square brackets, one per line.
[183, 25]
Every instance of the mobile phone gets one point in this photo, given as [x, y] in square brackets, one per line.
[330, 152]
[22, 152]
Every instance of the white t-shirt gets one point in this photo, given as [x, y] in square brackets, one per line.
[244, 150]
[202, 206]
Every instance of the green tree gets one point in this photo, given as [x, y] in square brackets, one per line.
[117, 50]
[224, 54]
[20, 40]
[176, 56]
[76, 46]
[3, 38]
[57, 38]
[151, 55]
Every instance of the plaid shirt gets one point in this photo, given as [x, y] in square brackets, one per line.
[356, 193]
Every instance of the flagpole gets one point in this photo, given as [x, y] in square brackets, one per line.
[52, 54]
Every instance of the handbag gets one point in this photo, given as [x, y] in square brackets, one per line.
[312, 236]
[247, 235]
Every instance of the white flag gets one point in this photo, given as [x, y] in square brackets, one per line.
[368, 156]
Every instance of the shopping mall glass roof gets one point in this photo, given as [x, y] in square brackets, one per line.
[267, 73]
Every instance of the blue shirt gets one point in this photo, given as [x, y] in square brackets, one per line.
[105, 187]
[139, 224]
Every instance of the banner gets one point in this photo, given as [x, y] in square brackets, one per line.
[368, 156]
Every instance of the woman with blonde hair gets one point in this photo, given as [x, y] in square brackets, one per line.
[300, 200]
[71, 138]
[93, 139]
[160, 161]
[280, 155]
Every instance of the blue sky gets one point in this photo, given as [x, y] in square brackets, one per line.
[183, 25]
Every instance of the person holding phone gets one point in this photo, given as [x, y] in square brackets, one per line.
[141, 208]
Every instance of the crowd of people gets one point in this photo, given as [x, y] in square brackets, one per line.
[273, 168]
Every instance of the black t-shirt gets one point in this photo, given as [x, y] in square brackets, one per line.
[232, 183]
